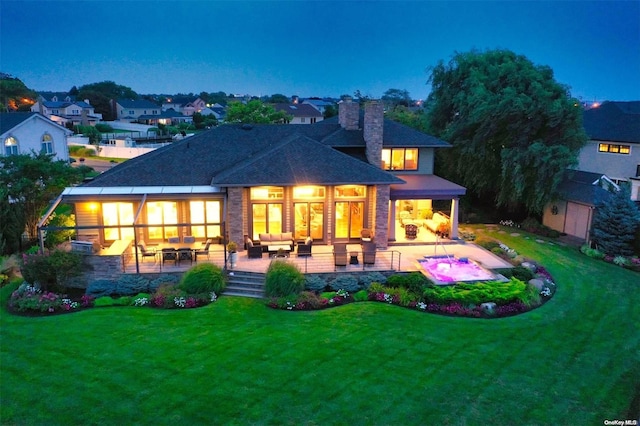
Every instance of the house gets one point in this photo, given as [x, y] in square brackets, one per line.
[27, 132]
[218, 112]
[186, 105]
[327, 181]
[614, 141]
[65, 110]
[580, 194]
[300, 113]
[319, 104]
[131, 109]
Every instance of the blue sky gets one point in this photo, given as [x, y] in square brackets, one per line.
[312, 48]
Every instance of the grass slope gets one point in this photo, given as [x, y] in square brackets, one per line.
[575, 360]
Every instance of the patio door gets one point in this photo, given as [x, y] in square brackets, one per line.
[266, 217]
[349, 219]
[308, 220]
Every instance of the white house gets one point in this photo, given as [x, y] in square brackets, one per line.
[28, 132]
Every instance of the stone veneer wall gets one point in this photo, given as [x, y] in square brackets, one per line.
[235, 225]
[349, 114]
[102, 268]
[373, 131]
[382, 215]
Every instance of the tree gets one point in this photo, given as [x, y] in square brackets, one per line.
[615, 223]
[403, 115]
[14, 95]
[254, 112]
[279, 98]
[31, 183]
[101, 94]
[513, 128]
[396, 97]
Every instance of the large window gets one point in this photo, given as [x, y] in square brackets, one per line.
[205, 212]
[164, 214]
[266, 217]
[349, 210]
[47, 144]
[10, 146]
[614, 148]
[117, 214]
[400, 159]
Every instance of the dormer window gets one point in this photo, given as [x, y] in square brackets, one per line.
[47, 144]
[10, 146]
[400, 159]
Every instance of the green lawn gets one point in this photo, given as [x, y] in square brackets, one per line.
[575, 360]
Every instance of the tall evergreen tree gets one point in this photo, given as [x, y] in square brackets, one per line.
[615, 224]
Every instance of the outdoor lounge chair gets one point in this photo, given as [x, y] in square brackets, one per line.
[369, 253]
[340, 255]
[202, 252]
[305, 248]
[145, 252]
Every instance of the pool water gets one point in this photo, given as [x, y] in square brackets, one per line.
[447, 270]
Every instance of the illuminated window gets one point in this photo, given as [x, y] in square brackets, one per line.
[202, 212]
[267, 193]
[266, 217]
[614, 148]
[47, 144]
[117, 214]
[162, 213]
[308, 192]
[350, 191]
[10, 146]
[400, 159]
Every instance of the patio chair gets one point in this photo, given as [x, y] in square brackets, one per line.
[202, 252]
[145, 252]
[366, 235]
[369, 253]
[253, 252]
[185, 254]
[189, 239]
[305, 248]
[340, 255]
[169, 253]
[174, 240]
[411, 231]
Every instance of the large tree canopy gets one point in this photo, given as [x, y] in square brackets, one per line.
[14, 95]
[101, 94]
[254, 112]
[513, 128]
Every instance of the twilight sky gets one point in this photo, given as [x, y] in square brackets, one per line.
[312, 48]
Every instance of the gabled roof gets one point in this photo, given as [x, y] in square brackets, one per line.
[136, 103]
[9, 121]
[614, 121]
[61, 96]
[583, 187]
[298, 110]
[244, 155]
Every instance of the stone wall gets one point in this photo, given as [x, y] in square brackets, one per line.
[382, 215]
[373, 131]
[234, 217]
[349, 114]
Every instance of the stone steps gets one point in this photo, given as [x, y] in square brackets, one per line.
[245, 284]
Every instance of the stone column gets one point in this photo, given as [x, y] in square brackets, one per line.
[234, 216]
[349, 114]
[382, 216]
[453, 232]
[392, 221]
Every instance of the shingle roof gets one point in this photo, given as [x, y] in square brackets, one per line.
[299, 110]
[137, 103]
[614, 121]
[581, 187]
[9, 120]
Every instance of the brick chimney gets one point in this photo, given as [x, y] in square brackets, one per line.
[373, 131]
[349, 114]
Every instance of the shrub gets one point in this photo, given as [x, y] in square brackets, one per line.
[283, 279]
[203, 278]
[377, 288]
[163, 280]
[309, 300]
[165, 296]
[413, 281]
[532, 225]
[315, 283]
[374, 277]
[140, 299]
[361, 296]
[131, 284]
[621, 261]
[522, 273]
[51, 271]
[104, 301]
[345, 282]
[101, 287]
[486, 242]
[491, 291]
[591, 252]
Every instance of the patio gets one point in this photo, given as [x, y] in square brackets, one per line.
[400, 257]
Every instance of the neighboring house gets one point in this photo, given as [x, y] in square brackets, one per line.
[66, 110]
[300, 113]
[186, 105]
[319, 104]
[614, 141]
[131, 109]
[217, 111]
[328, 181]
[580, 194]
[169, 117]
[28, 132]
